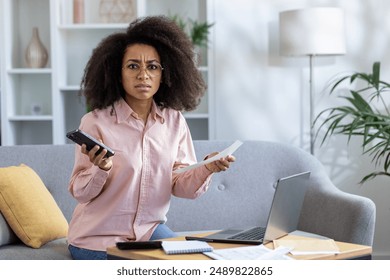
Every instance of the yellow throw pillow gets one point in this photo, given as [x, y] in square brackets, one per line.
[29, 208]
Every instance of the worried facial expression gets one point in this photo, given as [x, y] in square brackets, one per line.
[141, 72]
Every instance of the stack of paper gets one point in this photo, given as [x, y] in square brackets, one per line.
[259, 252]
[307, 246]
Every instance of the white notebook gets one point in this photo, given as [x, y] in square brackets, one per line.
[185, 247]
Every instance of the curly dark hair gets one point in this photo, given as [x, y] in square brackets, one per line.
[182, 85]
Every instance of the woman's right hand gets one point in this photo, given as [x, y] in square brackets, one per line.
[104, 163]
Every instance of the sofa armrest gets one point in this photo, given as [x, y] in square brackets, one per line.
[342, 216]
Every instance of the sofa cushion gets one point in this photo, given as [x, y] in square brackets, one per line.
[7, 236]
[53, 250]
[29, 208]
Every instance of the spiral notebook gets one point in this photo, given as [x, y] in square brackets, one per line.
[185, 247]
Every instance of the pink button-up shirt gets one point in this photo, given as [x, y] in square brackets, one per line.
[132, 198]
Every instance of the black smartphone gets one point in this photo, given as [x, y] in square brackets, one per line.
[80, 137]
[139, 245]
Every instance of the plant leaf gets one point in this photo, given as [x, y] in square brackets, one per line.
[360, 118]
[375, 74]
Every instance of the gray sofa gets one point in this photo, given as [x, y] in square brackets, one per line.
[240, 197]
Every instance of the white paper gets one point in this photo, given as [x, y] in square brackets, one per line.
[304, 253]
[276, 254]
[228, 151]
[309, 246]
[259, 252]
[307, 234]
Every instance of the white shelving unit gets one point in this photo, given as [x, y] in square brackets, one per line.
[54, 89]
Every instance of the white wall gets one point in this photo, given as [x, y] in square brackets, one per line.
[263, 96]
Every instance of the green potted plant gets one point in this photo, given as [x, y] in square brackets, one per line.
[365, 115]
[197, 31]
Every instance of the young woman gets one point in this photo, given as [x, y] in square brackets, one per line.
[136, 84]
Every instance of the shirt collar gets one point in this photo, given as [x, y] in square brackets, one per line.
[124, 111]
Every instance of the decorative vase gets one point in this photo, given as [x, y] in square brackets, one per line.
[117, 11]
[36, 53]
[197, 56]
[78, 11]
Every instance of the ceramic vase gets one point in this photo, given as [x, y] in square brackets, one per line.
[78, 11]
[197, 56]
[117, 11]
[36, 53]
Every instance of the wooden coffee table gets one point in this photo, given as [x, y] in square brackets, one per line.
[347, 251]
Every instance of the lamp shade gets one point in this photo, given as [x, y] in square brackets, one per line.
[312, 31]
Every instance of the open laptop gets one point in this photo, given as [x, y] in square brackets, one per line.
[283, 217]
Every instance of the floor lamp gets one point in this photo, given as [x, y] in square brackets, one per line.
[312, 32]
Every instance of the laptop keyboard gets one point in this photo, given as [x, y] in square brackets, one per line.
[256, 233]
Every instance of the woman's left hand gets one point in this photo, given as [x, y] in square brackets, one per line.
[222, 164]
